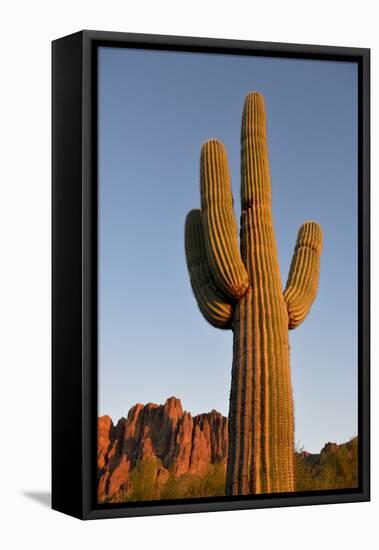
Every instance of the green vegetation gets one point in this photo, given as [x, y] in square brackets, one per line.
[143, 479]
[191, 486]
[336, 467]
[144, 483]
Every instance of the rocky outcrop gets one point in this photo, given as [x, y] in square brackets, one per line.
[184, 444]
[184, 447]
[329, 448]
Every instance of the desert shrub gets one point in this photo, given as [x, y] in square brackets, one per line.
[212, 484]
[173, 488]
[335, 468]
[143, 478]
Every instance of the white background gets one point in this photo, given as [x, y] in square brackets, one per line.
[27, 29]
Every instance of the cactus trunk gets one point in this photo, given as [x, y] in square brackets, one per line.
[261, 406]
[242, 290]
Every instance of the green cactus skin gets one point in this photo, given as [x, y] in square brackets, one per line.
[241, 290]
[212, 304]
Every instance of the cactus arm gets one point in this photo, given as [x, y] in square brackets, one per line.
[255, 172]
[302, 284]
[219, 223]
[216, 309]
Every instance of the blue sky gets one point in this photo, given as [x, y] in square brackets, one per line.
[155, 111]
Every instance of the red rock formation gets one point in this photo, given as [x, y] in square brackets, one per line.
[183, 444]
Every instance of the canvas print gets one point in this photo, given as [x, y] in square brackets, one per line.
[227, 318]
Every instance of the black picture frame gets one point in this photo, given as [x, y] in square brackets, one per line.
[74, 272]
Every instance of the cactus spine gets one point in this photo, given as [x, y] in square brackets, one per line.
[241, 289]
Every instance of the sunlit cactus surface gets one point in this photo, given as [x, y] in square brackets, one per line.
[239, 287]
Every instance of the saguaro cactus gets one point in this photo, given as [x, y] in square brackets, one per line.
[240, 289]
